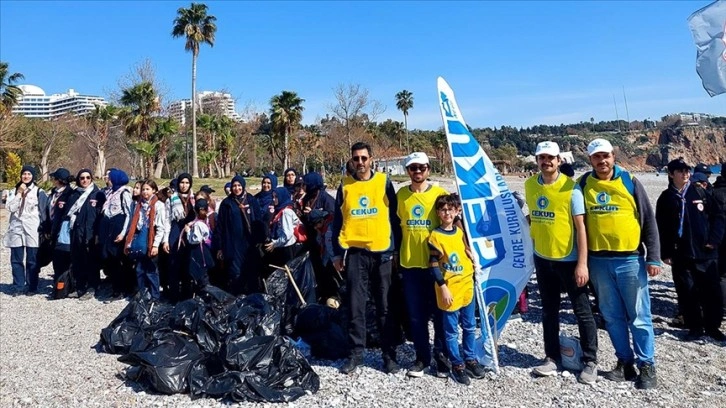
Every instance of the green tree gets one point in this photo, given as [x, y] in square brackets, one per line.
[286, 115]
[96, 133]
[404, 103]
[198, 28]
[162, 134]
[9, 92]
[141, 104]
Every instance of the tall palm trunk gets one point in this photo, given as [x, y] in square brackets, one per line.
[195, 164]
[287, 150]
[405, 125]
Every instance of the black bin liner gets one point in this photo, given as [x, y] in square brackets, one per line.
[322, 328]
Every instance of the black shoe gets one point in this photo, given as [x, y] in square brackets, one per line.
[443, 365]
[647, 379]
[474, 369]
[622, 372]
[351, 364]
[390, 366]
[459, 374]
[716, 334]
[417, 370]
[694, 334]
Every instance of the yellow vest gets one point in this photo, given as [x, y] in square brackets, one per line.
[550, 212]
[456, 267]
[418, 219]
[366, 222]
[611, 215]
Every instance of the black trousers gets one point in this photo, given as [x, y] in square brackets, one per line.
[84, 266]
[364, 269]
[702, 300]
[551, 275]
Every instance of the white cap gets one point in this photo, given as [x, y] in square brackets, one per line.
[550, 148]
[599, 146]
[417, 158]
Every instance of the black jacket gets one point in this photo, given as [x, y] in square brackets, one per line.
[703, 223]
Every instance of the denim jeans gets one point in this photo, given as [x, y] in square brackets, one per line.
[551, 275]
[25, 271]
[420, 297]
[451, 320]
[147, 276]
[622, 288]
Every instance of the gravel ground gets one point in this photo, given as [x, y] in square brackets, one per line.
[47, 359]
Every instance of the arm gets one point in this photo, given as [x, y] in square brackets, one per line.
[394, 220]
[717, 219]
[663, 217]
[338, 225]
[435, 271]
[126, 207]
[578, 220]
[649, 229]
[161, 225]
[43, 211]
[13, 204]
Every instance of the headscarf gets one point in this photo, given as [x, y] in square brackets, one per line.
[265, 197]
[78, 179]
[174, 185]
[32, 172]
[283, 199]
[313, 182]
[238, 179]
[284, 175]
[118, 179]
[181, 177]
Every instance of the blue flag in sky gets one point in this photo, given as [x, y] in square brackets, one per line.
[708, 26]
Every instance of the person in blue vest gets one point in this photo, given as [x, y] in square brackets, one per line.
[623, 250]
[366, 231]
[557, 218]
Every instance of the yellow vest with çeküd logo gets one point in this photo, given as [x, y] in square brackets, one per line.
[456, 267]
[366, 222]
[418, 219]
[550, 212]
[611, 215]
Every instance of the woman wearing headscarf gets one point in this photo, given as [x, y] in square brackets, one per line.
[61, 200]
[112, 231]
[283, 244]
[239, 230]
[83, 218]
[180, 207]
[264, 198]
[316, 198]
[288, 181]
[148, 230]
[28, 212]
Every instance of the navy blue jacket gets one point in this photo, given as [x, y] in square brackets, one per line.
[233, 236]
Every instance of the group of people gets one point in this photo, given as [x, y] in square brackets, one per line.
[602, 228]
[399, 247]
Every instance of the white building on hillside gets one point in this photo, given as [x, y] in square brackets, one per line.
[209, 102]
[34, 103]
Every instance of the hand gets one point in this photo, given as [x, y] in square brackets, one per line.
[338, 264]
[166, 247]
[269, 247]
[119, 238]
[709, 246]
[154, 251]
[446, 295]
[23, 188]
[653, 270]
[307, 210]
[668, 261]
[220, 256]
[187, 228]
[581, 275]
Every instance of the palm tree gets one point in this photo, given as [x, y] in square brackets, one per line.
[141, 106]
[404, 103]
[286, 115]
[9, 92]
[164, 130]
[198, 27]
[100, 121]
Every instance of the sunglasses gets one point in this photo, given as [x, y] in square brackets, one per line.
[414, 168]
[360, 159]
[84, 178]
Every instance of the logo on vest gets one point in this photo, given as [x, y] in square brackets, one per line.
[602, 199]
[416, 213]
[453, 264]
[363, 209]
[542, 203]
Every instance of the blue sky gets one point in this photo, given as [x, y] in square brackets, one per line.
[510, 63]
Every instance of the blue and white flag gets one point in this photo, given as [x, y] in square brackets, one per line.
[708, 26]
[495, 226]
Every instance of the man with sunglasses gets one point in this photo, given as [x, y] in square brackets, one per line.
[366, 230]
[418, 219]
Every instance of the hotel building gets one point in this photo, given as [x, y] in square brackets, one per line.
[209, 102]
[34, 103]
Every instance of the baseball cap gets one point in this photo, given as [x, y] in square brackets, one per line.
[696, 177]
[599, 146]
[550, 148]
[678, 164]
[61, 174]
[205, 188]
[702, 168]
[417, 158]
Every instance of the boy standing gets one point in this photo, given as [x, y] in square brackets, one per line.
[453, 270]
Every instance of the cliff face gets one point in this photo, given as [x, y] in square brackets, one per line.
[644, 151]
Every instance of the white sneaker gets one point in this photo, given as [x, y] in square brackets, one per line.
[547, 369]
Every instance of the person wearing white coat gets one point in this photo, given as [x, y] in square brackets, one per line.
[28, 208]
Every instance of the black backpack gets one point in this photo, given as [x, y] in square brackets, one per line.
[63, 286]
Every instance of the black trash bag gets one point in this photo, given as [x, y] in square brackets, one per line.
[166, 362]
[214, 295]
[304, 275]
[254, 315]
[140, 315]
[276, 285]
[210, 378]
[321, 327]
[272, 368]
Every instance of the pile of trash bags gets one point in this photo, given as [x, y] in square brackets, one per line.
[214, 345]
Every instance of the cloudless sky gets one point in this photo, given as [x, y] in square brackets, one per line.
[509, 63]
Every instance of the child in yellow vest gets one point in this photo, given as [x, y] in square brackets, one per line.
[453, 270]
